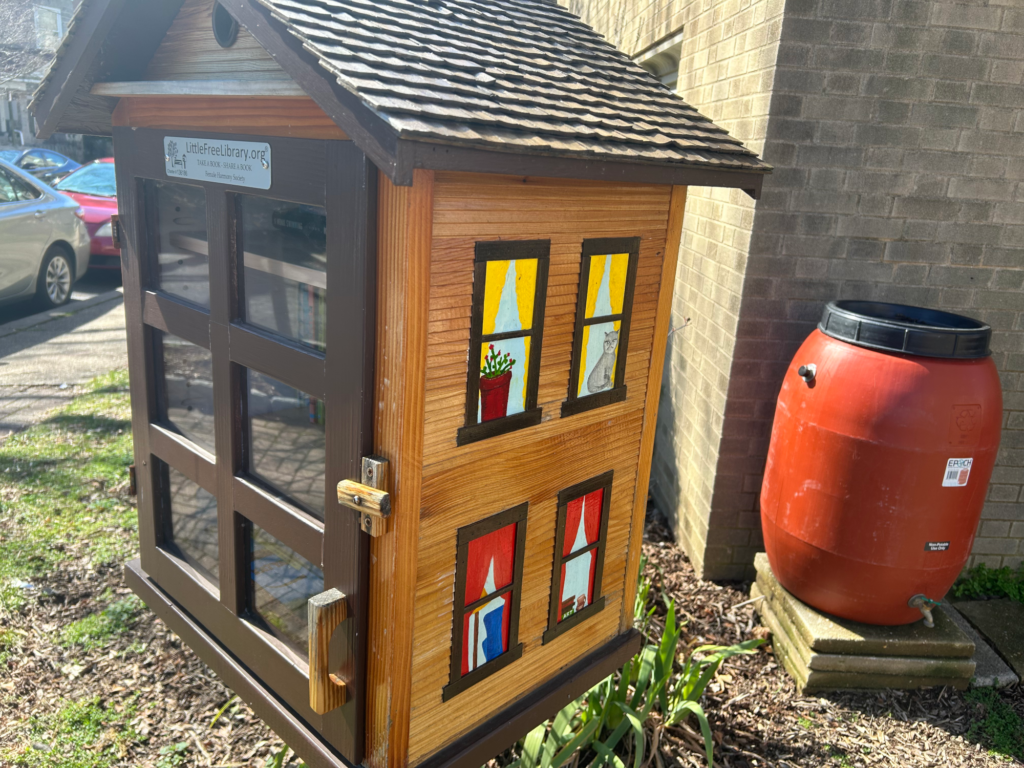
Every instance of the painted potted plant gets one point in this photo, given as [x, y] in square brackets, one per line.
[495, 377]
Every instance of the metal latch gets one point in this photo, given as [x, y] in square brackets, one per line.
[115, 230]
[370, 497]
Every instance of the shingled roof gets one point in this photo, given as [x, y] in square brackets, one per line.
[524, 78]
[508, 73]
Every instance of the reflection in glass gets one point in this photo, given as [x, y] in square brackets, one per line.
[188, 390]
[191, 526]
[287, 441]
[178, 227]
[282, 583]
[284, 255]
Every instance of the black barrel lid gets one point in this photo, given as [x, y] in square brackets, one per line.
[905, 329]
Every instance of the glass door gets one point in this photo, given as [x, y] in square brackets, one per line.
[251, 318]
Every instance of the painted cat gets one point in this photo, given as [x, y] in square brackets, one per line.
[600, 377]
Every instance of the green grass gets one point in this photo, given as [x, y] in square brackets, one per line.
[984, 582]
[92, 630]
[55, 499]
[82, 734]
[998, 728]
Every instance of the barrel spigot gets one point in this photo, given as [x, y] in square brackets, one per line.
[924, 605]
[807, 372]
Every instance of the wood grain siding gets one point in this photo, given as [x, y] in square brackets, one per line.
[403, 270]
[189, 51]
[661, 324]
[464, 484]
[300, 118]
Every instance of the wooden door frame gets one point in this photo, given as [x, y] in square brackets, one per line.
[337, 176]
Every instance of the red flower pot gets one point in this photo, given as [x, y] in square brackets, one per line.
[494, 396]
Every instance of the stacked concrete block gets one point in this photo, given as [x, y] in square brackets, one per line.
[896, 128]
[822, 652]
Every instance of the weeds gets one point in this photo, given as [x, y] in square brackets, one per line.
[82, 734]
[91, 631]
[617, 717]
[998, 728]
[984, 582]
[62, 487]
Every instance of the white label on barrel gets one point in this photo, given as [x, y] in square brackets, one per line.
[957, 472]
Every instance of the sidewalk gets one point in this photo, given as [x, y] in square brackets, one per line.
[43, 358]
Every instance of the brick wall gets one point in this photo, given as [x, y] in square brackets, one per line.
[726, 67]
[897, 131]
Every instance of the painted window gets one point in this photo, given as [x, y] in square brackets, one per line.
[509, 289]
[580, 533]
[603, 311]
[488, 578]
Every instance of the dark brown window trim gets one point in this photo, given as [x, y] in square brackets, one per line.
[299, 367]
[555, 627]
[171, 315]
[289, 524]
[502, 250]
[457, 681]
[175, 449]
[573, 403]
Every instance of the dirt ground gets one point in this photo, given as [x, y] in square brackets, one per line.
[139, 698]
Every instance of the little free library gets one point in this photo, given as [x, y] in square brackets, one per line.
[398, 276]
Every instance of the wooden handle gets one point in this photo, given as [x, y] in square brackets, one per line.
[326, 611]
[369, 498]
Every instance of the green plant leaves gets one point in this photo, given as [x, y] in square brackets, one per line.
[598, 723]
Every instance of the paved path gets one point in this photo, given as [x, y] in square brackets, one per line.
[44, 358]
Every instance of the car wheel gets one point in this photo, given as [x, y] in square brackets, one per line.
[55, 279]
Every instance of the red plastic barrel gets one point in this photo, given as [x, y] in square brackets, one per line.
[885, 436]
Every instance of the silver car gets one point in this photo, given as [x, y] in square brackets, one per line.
[44, 244]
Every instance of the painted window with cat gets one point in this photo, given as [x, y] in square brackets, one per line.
[488, 580]
[581, 529]
[604, 306]
[509, 288]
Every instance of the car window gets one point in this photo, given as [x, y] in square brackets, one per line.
[33, 160]
[7, 192]
[54, 159]
[10, 155]
[24, 190]
[95, 179]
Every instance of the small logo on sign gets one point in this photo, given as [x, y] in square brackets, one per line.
[957, 472]
[936, 546]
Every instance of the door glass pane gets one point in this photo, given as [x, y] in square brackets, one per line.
[178, 224]
[287, 441]
[282, 582]
[188, 390]
[191, 527]
[284, 257]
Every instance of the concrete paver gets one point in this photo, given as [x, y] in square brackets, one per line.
[990, 670]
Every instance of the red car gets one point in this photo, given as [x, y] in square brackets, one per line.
[93, 186]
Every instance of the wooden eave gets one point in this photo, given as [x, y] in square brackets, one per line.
[89, 77]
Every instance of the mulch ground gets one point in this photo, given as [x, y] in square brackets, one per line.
[172, 697]
[759, 720]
